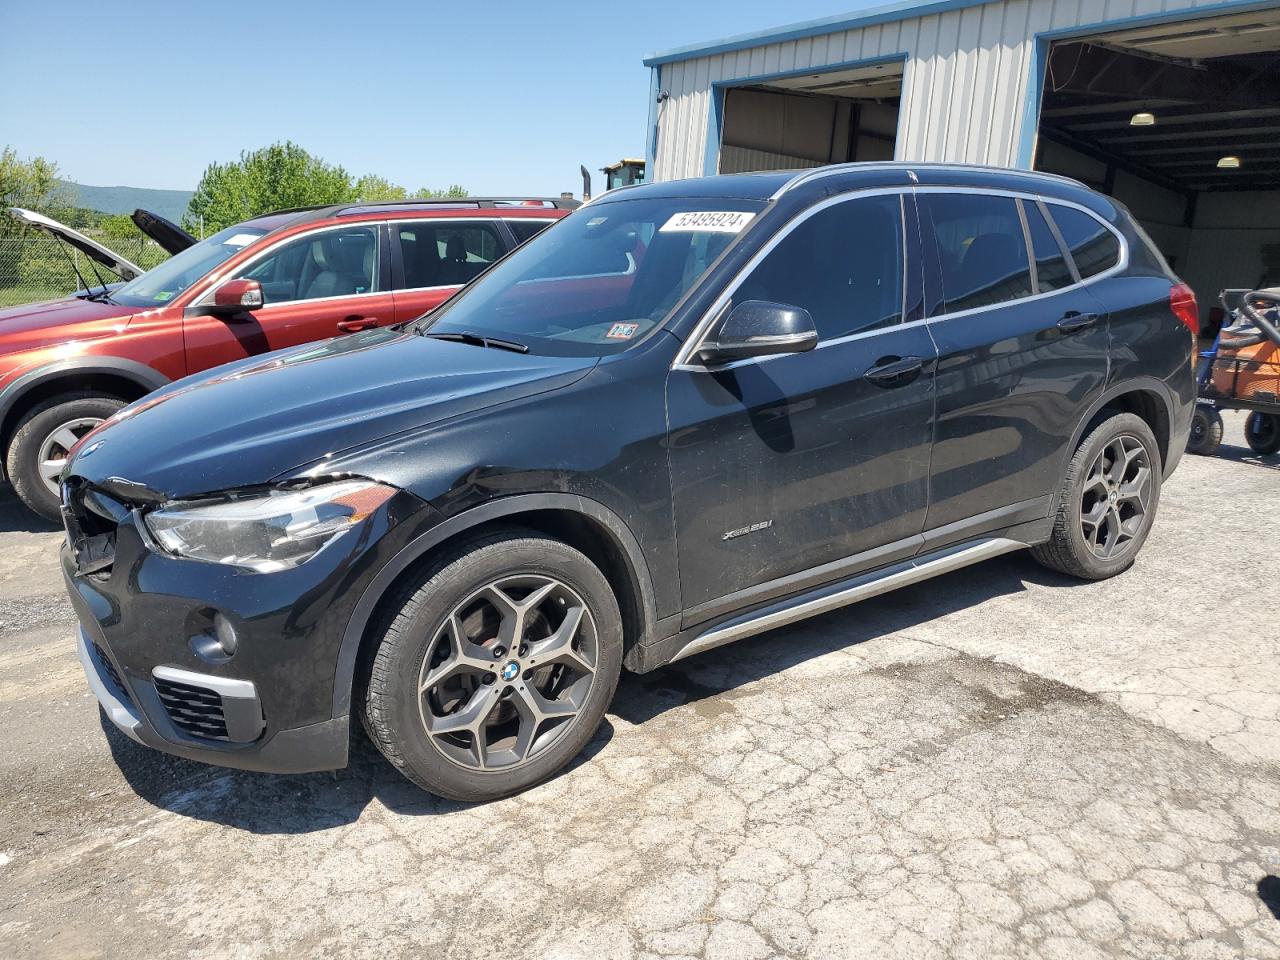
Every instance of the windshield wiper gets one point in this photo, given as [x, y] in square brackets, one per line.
[476, 340]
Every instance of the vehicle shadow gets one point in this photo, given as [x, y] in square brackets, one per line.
[290, 804]
[1245, 455]
[264, 803]
[641, 697]
[16, 518]
[1269, 894]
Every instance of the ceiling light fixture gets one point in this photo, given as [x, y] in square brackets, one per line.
[1229, 163]
[1142, 120]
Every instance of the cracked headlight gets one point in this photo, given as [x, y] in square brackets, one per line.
[266, 531]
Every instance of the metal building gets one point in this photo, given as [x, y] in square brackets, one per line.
[1173, 106]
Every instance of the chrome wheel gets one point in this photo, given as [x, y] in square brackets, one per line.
[1116, 497]
[52, 453]
[508, 672]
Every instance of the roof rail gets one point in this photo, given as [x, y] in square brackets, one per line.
[372, 206]
[836, 168]
[488, 203]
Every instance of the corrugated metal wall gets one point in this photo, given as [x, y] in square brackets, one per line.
[964, 86]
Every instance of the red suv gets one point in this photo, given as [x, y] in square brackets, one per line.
[275, 281]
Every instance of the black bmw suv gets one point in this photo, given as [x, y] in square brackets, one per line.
[686, 414]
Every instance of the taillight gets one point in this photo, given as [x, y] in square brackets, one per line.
[1182, 301]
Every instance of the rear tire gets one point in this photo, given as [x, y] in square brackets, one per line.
[1206, 431]
[1107, 502]
[1262, 433]
[41, 441]
[501, 705]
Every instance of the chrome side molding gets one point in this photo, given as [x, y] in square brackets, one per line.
[844, 592]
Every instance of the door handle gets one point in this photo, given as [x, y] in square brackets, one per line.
[1074, 321]
[894, 371]
[356, 324]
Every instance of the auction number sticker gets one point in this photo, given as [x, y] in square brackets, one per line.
[707, 221]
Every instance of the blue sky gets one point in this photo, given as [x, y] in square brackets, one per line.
[500, 96]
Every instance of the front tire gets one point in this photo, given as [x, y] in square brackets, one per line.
[1107, 502]
[38, 450]
[1262, 433]
[495, 666]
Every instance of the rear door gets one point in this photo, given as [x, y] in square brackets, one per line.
[797, 469]
[433, 258]
[322, 284]
[1023, 354]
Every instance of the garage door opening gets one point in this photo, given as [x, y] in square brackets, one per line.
[1180, 122]
[812, 120]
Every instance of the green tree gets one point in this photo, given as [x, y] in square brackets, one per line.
[31, 183]
[455, 191]
[372, 188]
[277, 177]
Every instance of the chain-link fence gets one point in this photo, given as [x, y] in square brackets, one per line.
[35, 266]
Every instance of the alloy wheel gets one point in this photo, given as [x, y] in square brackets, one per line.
[1116, 496]
[508, 671]
[52, 454]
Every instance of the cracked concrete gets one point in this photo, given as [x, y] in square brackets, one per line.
[996, 764]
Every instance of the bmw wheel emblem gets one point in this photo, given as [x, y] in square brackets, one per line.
[510, 670]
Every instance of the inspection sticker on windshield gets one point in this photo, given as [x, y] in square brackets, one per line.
[240, 240]
[708, 221]
[622, 331]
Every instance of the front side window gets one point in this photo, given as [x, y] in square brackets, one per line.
[444, 253]
[1093, 247]
[844, 265]
[603, 278]
[330, 263]
[161, 284]
[981, 249]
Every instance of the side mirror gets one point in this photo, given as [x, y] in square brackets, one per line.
[236, 296]
[758, 328]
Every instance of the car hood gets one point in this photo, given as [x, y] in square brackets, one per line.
[171, 237]
[58, 321]
[124, 269]
[248, 423]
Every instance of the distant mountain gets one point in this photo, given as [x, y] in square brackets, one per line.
[170, 204]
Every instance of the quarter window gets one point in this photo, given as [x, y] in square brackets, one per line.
[981, 248]
[1093, 247]
[1052, 271]
[524, 229]
[331, 263]
[843, 264]
[440, 253]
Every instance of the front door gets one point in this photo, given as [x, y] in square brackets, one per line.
[1022, 356]
[791, 470]
[319, 285]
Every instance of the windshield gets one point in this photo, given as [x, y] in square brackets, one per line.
[600, 279]
[158, 286]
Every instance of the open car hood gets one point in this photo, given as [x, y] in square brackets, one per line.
[171, 237]
[122, 268]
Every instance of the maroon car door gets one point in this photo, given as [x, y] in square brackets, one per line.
[322, 284]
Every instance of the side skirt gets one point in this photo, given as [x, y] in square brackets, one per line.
[845, 592]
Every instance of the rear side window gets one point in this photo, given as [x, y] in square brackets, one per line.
[1052, 272]
[982, 250]
[443, 253]
[1093, 247]
[524, 229]
[844, 265]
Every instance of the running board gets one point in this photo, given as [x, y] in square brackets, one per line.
[841, 594]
